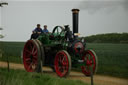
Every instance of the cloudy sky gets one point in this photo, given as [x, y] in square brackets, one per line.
[20, 17]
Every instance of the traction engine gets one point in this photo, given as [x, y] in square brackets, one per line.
[61, 50]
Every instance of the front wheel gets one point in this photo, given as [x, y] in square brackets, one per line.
[62, 63]
[91, 62]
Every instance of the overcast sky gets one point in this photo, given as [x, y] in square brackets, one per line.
[20, 17]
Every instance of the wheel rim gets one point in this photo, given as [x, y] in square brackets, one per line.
[30, 56]
[61, 64]
[90, 62]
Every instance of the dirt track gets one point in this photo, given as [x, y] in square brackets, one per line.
[98, 79]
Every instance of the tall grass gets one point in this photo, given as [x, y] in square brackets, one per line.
[19, 77]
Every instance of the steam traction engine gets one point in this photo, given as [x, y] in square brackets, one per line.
[60, 50]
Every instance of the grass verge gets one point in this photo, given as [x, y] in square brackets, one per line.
[20, 77]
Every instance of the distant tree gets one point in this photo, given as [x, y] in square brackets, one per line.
[108, 38]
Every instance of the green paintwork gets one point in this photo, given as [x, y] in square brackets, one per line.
[59, 38]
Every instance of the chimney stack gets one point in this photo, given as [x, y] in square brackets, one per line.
[75, 16]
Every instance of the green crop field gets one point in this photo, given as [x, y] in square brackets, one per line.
[20, 77]
[12, 50]
[112, 58]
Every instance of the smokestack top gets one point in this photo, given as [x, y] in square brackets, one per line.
[75, 10]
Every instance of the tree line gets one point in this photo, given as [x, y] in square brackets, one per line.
[108, 38]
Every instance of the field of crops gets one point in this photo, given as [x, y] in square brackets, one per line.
[12, 51]
[112, 58]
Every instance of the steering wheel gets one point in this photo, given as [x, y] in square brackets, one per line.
[58, 30]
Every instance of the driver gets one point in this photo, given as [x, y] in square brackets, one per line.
[36, 32]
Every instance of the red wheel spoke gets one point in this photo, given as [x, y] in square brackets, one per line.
[35, 52]
[26, 50]
[64, 68]
[28, 62]
[87, 58]
[28, 59]
[30, 46]
[34, 61]
[30, 67]
[63, 58]
[28, 55]
[35, 57]
[33, 49]
[65, 63]
[60, 59]
[91, 61]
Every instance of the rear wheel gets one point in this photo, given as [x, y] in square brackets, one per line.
[91, 62]
[62, 63]
[32, 56]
